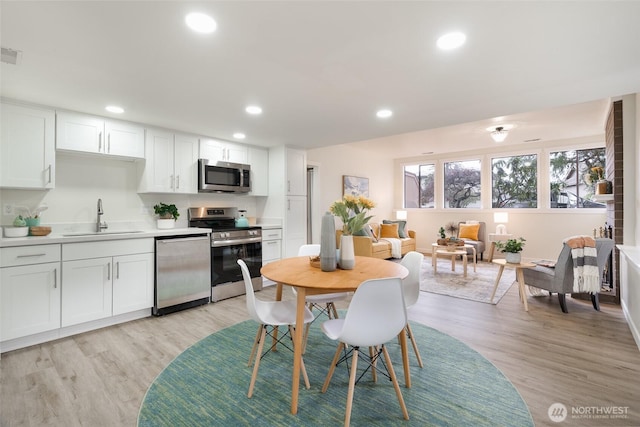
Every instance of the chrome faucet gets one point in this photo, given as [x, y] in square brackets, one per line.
[100, 225]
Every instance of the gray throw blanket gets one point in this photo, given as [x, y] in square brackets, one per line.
[586, 276]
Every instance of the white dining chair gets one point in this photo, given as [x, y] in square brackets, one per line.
[269, 315]
[325, 303]
[375, 316]
[412, 261]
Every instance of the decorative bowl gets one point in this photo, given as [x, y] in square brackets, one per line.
[39, 231]
[314, 261]
[16, 231]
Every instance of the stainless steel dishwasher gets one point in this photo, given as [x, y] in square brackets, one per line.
[183, 273]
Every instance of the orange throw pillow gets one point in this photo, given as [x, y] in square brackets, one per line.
[469, 231]
[389, 230]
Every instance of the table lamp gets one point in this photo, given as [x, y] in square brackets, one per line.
[501, 218]
[401, 215]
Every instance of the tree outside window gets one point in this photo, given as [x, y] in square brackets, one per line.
[515, 181]
[419, 186]
[462, 184]
[568, 170]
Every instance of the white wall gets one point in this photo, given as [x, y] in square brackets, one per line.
[82, 180]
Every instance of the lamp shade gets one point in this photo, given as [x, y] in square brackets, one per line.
[499, 135]
[401, 215]
[501, 218]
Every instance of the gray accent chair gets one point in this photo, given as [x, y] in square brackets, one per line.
[478, 244]
[560, 279]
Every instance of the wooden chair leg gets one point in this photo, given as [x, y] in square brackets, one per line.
[414, 344]
[302, 368]
[335, 311]
[352, 387]
[396, 386]
[255, 343]
[263, 335]
[332, 368]
[374, 372]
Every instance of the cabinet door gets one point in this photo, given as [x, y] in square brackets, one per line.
[27, 147]
[296, 172]
[132, 283]
[259, 161]
[124, 139]
[295, 228]
[212, 150]
[157, 175]
[87, 293]
[79, 132]
[185, 164]
[236, 153]
[271, 250]
[29, 300]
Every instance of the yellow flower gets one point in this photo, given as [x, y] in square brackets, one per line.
[352, 211]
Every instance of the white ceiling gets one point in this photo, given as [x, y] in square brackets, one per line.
[320, 70]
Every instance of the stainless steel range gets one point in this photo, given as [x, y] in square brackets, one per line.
[229, 243]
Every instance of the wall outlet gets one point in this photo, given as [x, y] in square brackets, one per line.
[7, 209]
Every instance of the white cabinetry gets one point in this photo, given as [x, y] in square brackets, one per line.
[259, 161]
[92, 134]
[29, 290]
[107, 278]
[171, 163]
[215, 150]
[271, 245]
[27, 147]
[288, 196]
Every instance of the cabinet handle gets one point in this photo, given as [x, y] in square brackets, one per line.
[288, 186]
[109, 143]
[99, 141]
[49, 182]
[177, 182]
[118, 270]
[55, 278]
[109, 271]
[172, 182]
[29, 256]
[272, 235]
[272, 243]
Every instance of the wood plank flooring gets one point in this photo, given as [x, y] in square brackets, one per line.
[581, 359]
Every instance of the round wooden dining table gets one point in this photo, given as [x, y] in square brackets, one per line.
[309, 280]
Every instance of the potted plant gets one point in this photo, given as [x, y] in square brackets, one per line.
[167, 215]
[511, 249]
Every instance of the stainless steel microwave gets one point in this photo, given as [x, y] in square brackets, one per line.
[223, 177]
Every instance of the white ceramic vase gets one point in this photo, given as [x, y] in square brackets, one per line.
[513, 258]
[164, 224]
[347, 255]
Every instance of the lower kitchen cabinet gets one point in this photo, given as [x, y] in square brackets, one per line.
[132, 283]
[29, 300]
[87, 290]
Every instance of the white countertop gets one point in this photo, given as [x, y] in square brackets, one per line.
[52, 238]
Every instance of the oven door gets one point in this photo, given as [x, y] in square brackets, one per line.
[225, 269]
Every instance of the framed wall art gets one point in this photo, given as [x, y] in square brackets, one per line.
[355, 186]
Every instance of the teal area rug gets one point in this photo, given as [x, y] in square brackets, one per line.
[207, 385]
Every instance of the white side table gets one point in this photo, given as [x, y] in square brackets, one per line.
[493, 238]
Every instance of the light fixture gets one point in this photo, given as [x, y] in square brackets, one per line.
[451, 40]
[114, 109]
[239, 135]
[253, 109]
[501, 218]
[499, 134]
[401, 215]
[384, 114]
[201, 23]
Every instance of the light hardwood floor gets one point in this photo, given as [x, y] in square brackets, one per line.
[581, 359]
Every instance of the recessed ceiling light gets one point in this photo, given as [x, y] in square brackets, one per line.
[253, 109]
[239, 135]
[201, 23]
[383, 114]
[114, 109]
[451, 40]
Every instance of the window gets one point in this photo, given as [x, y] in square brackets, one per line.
[462, 184]
[515, 181]
[568, 170]
[419, 186]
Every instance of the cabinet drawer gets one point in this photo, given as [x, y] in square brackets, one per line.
[273, 234]
[271, 249]
[73, 251]
[25, 255]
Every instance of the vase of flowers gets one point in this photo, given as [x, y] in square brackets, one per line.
[595, 177]
[352, 211]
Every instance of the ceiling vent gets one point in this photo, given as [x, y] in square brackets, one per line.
[10, 56]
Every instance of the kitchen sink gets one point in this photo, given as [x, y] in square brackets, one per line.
[95, 233]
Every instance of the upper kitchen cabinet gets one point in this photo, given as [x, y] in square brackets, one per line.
[97, 135]
[171, 163]
[27, 147]
[296, 168]
[259, 161]
[215, 150]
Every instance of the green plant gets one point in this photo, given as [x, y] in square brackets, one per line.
[441, 231]
[511, 245]
[352, 211]
[166, 211]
